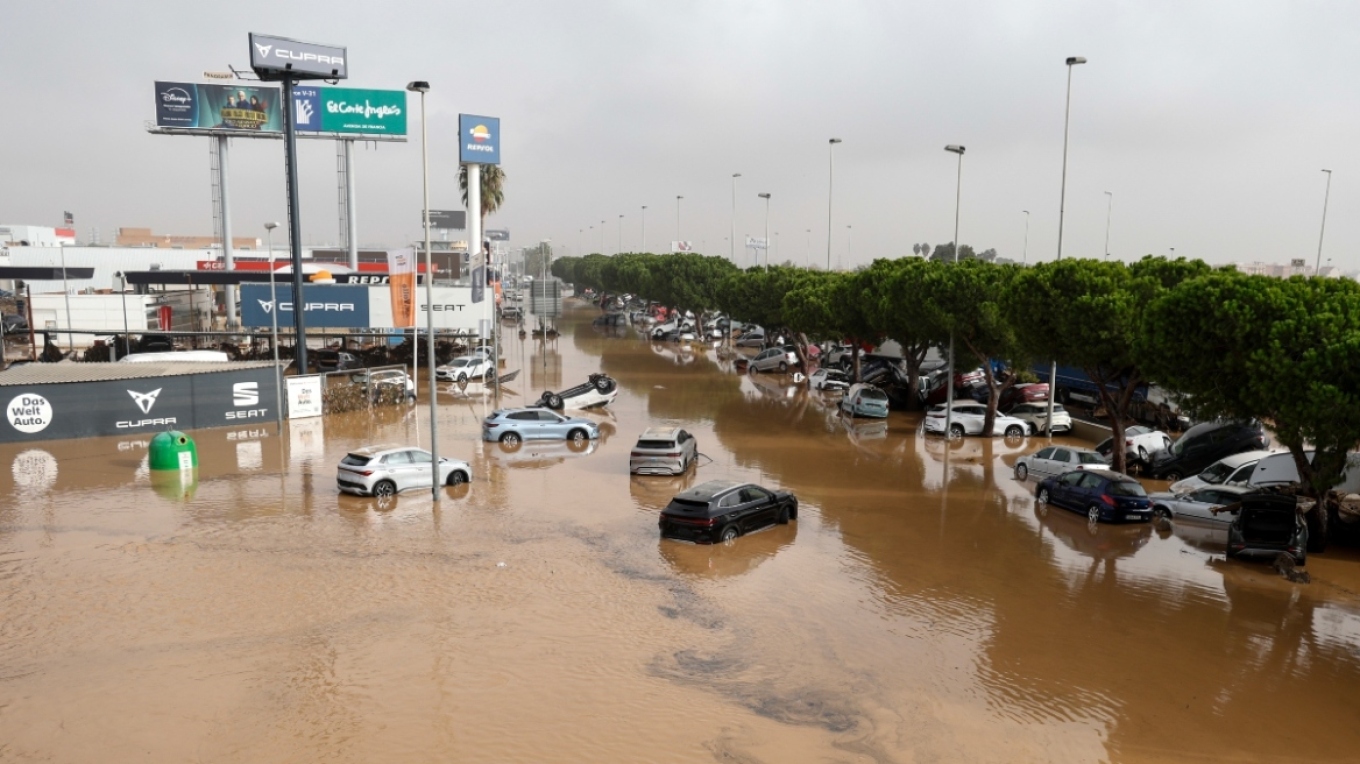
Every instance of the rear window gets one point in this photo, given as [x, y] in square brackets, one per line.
[655, 444]
[689, 504]
[873, 394]
[354, 460]
[1127, 489]
[1085, 458]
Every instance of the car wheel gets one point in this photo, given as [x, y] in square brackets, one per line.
[578, 436]
[1015, 431]
[462, 378]
[956, 431]
[783, 367]
[1161, 513]
[1142, 454]
[783, 518]
[1093, 514]
[751, 368]
[730, 532]
[1043, 495]
[457, 477]
[511, 439]
[1172, 476]
[489, 376]
[1021, 472]
[384, 488]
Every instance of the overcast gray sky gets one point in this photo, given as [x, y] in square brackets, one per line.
[1209, 121]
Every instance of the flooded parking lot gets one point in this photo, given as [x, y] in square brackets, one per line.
[922, 608]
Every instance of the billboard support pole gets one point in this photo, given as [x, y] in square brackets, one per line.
[224, 201]
[351, 217]
[294, 226]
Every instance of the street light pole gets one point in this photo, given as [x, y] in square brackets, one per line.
[677, 217]
[1109, 208]
[1062, 209]
[849, 253]
[423, 88]
[830, 193]
[620, 249]
[1024, 257]
[602, 222]
[732, 242]
[766, 197]
[643, 243]
[274, 319]
[949, 380]
[1317, 270]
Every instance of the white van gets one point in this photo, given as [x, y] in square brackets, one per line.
[1279, 469]
[190, 356]
[1230, 470]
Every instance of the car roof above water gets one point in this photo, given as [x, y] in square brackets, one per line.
[660, 433]
[710, 490]
[381, 448]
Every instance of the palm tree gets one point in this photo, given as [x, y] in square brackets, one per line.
[493, 189]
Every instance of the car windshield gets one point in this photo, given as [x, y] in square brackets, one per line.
[1088, 458]
[355, 460]
[1128, 488]
[461, 362]
[1216, 473]
[1177, 447]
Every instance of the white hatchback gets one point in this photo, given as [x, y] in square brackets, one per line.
[968, 418]
[386, 470]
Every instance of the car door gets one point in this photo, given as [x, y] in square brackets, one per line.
[1087, 490]
[525, 423]
[1197, 504]
[1041, 464]
[688, 449]
[1064, 489]
[551, 425]
[1061, 461]
[397, 465]
[757, 508]
[420, 469]
[729, 507]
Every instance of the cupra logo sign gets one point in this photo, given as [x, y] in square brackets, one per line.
[480, 134]
[145, 401]
[264, 49]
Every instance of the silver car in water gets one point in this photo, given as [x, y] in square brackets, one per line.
[511, 426]
[663, 451]
[387, 470]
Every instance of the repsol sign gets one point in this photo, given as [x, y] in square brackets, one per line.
[138, 407]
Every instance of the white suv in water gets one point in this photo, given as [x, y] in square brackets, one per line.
[386, 470]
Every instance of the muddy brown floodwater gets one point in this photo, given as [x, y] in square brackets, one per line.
[922, 608]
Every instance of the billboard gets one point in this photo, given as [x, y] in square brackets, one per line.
[349, 110]
[498, 234]
[271, 57]
[754, 242]
[448, 219]
[479, 139]
[248, 108]
[401, 267]
[326, 306]
[682, 246]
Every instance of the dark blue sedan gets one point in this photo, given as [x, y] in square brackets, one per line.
[1101, 495]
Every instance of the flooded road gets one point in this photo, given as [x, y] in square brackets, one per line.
[922, 608]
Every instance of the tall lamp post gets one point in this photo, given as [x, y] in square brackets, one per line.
[620, 249]
[422, 87]
[1062, 209]
[274, 320]
[1024, 256]
[602, 222]
[1109, 208]
[732, 242]
[1317, 269]
[766, 197]
[677, 216]
[830, 193]
[949, 389]
[849, 253]
[643, 243]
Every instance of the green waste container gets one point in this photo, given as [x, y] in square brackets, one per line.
[173, 450]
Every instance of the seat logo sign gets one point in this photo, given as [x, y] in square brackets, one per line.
[145, 402]
[245, 393]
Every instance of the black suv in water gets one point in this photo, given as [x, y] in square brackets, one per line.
[1205, 444]
[721, 510]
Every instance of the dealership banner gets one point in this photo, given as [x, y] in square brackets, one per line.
[682, 246]
[401, 269]
[250, 108]
[325, 306]
[141, 406]
[350, 110]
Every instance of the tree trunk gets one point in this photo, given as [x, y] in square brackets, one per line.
[913, 358]
[855, 357]
[1118, 409]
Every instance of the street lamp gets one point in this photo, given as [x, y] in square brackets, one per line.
[807, 252]
[1317, 270]
[732, 242]
[949, 389]
[830, 190]
[602, 222]
[620, 249]
[1024, 257]
[766, 197]
[274, 319]
[1062, 209]
[643, 247]
[677, 217]
[422, 87]
[1109, 207]
[849, 253]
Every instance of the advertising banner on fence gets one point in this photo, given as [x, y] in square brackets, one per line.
[304, 397]
[401, 269]
[350, 110]
[452, 309]
[682, 246]
[249, 108]
[326, 306]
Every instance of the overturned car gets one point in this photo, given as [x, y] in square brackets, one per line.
[599, 390]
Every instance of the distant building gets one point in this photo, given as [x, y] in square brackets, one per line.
[36, 236]
[1296, 267]
[143, 237]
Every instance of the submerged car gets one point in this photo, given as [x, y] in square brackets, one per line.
[663, 451]
[1268, 524]
[1102, 496]
[1035, 415]
[968, 419]
[388, 470]
[477, 366]
[721, 510]
[829, 380]
[387, 379]
[865, 400]
[778, 359]
[511, 426]
[1204, 444]
[1230, 470]
[1056, 460]
[1199, 503]
[1139, 441]
[598, 390]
